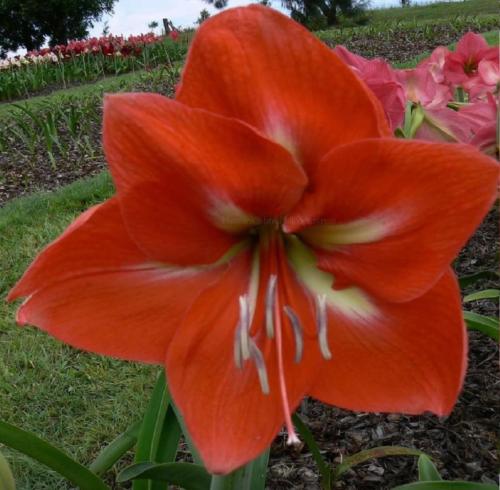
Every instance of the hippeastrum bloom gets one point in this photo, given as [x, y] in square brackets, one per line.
[461, 66]
[382, 80]
[268, 240]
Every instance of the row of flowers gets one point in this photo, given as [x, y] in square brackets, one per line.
[105, 45]
[449, 96]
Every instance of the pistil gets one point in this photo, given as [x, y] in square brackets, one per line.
[292, 435]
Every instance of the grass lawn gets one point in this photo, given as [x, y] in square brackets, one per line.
[78, 401]
[432, 11]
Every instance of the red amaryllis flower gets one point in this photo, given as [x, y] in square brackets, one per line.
[268, 240]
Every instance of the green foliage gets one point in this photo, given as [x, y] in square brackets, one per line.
[434, 11]
[25, 23]
[317, 14]
[47, 454]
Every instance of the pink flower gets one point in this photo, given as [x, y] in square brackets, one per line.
[435, 63]
[421, 87]
[383, 82]
[461, 67]
[481, 118]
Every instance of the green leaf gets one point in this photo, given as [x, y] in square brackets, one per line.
[484, 294]
[6, 477]
[50, 456]
[168, 443]
[376, 452]
[323, 467]
[187, 437]
[468, 280]
[484, 324]
[116, 449]
[151, 428]
[187, 475]
[426, 469]
[252, 476]
[446, 485]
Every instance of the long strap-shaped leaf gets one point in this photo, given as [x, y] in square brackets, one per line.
[446, 485]
[6, 477]
[50, 456]
[252, 476]
[427, 471]
[116, 449]
[186, 475]
[151, 429]
[484, 324]
[323, 467]
[376, 452]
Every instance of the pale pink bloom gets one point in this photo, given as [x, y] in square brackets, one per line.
[421, 87]
[383, 82]
[443, 124]
[435, 63]
[489, 72]
[487, 81]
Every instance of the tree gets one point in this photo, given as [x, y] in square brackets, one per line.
[311, 12]
[204, 15]
[218, 4]
[153, 25]
[105, 29]
[28, 23]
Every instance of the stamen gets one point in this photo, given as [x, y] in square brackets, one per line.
[297, 332]
[244, 327]
[260, 364]
[237, 347]
[322, 325]
[270, 295]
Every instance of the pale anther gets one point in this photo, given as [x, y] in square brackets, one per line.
[322, 325]
[260, 365]
[270, 299]
[244, 327]
[297, 332]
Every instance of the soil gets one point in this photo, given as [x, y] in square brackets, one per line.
[464, 445]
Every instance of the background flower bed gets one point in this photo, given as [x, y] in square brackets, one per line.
[91, 399]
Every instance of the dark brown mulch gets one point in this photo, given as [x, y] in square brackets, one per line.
[398, 45]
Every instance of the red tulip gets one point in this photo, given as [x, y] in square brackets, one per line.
[268, 240]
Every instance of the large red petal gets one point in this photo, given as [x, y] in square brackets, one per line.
[150, 138]
[257, 65]
[94, 289]
[96, 241]
[390, 215]
[227, 415]
[411, 358]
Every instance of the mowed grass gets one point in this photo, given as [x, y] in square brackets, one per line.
[433, 11]
[76, 400]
